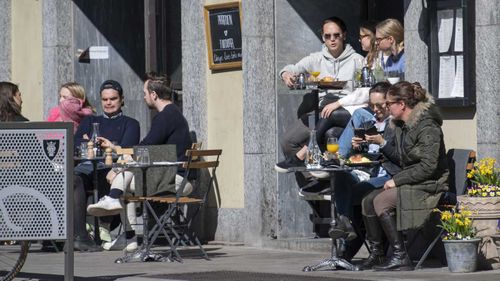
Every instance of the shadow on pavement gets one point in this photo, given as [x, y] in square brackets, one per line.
[243, 276]
[53, 277]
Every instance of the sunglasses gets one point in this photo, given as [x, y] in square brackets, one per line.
[389, 103]
[378, 40]
[334, 36]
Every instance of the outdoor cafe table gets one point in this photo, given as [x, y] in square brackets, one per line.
[144, 253]
[337, 235]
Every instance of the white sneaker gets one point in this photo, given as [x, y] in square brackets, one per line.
[104, 234]
[121, 243]
[107, 206]
[320, 174]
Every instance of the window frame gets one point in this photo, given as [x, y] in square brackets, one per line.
[468, 15]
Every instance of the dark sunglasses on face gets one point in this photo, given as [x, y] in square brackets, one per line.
[389, 103]
[334, 36]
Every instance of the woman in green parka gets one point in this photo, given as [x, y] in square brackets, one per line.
[407, 200]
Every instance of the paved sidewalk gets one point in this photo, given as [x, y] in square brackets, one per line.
[234, 259]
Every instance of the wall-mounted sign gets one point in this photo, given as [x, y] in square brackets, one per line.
[451, 55]
[99, 52]
[93, 53]
[223, 29]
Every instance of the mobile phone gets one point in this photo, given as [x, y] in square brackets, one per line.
[359, 133]
[371, 131]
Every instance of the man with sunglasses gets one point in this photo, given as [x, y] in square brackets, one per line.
[337, 60]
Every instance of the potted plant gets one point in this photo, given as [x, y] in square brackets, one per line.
[483, 199]
[460, 242]
[485, 179]
[483, 196]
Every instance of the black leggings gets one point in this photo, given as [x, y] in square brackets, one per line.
[80, 207]
[333, 126]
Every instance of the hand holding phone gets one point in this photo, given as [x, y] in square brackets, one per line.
[359, 133]
[371, 131]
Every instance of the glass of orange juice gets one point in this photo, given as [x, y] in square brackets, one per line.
[332, 145]
[315, 74]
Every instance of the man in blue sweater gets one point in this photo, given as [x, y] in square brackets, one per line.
[167, 127]
[116, 127]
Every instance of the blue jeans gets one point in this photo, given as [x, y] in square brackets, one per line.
[359, 116]
[349, 191]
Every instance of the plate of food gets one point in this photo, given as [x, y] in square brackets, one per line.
[330, 83]
[359, 160]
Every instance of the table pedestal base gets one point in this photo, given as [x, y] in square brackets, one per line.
[144, 255]
[332, 263]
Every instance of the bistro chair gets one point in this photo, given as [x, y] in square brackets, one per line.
[460, 162]
[175, 223]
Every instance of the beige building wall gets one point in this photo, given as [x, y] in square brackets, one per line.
[460, 133]
[225, 130]
[27, 55]
[459, 127]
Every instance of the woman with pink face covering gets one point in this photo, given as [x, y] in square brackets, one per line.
[73, 105]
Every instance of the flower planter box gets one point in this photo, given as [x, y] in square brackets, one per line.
[485, 215]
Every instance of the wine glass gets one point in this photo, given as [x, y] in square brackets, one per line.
[332, 145]
[312, 80]
[315, 74]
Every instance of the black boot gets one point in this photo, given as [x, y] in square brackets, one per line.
[374, 235]
[399, 259]
[343, 229]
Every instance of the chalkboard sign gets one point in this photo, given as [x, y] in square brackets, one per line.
[223, 28]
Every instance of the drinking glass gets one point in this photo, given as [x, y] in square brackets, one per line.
[332, 145]
[83, 150]
[311, 82]
[358, 66]
[315, 74]
[138, 155]
[143, 157]
[393, 77]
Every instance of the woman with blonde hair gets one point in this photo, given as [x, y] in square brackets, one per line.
[367, 41]
[389, 37]
[10, 103]
[73, 105]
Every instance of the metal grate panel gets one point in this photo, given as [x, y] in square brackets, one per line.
[33, 173]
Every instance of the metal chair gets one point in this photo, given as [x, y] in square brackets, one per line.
[460, 161]
[175, 223]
